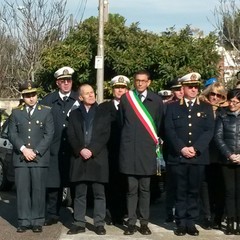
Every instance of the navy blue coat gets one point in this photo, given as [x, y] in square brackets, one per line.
[60, 150]
[185, 129]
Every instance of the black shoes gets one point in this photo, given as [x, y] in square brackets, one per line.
[144, 230]
[192, 230]
[207, 224]
[37, 229]
[100, 230]
[180, 231]
[22, 229]
[76, 230]
[50, 221]
[131, 229]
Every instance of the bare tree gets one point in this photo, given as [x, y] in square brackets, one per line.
[34, 25]
[227, 24]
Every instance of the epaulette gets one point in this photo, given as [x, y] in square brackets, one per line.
[20, 107]
[40, 106]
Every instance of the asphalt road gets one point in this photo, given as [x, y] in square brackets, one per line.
[160, 229]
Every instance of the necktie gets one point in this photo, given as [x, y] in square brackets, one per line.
[65, 98]
[140, 97]
[29, 111]
[190, 105]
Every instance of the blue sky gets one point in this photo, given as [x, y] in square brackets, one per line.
[154, 15]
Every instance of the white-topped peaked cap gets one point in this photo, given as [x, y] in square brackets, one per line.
[64, 72]
[165, 93]
[120, 80]
[190, 78]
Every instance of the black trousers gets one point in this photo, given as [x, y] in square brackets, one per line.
[80, 203]
[31, 192]
[212, 192]
[138, 195]
[54, 201]
[116, 196]
[231, 176]
[170, 190]
[188, 182]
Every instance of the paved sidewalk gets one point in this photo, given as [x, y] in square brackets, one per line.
[160, 230]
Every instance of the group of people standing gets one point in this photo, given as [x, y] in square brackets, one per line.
[69, 140]
[217, 193]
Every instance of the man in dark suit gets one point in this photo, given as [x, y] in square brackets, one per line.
[116, 189]
[61, 102]
[189, 126]
[88, 134]
[137, 159]
[30, 131]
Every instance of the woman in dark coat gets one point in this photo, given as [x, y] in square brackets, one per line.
[227, 138]
[212, 192]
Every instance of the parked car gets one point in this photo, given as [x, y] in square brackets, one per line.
[6, 167]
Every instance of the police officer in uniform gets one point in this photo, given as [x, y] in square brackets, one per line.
[189, 126]
[177, 91]
[61, 102]
[116, 189]
[31, 130]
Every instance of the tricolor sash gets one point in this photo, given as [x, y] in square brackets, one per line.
[146, 119]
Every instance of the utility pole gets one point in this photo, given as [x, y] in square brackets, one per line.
[99, 59]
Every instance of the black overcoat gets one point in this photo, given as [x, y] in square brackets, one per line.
[184, 129]
[96, 168]
[60, 150]
[137, 148]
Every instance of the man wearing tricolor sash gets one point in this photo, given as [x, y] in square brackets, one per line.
[141, 113]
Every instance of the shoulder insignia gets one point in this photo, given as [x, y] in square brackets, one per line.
[43, 106]
[181, 101]
[20, 107]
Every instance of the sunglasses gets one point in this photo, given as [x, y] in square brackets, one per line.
[213, 94]
[193, 86]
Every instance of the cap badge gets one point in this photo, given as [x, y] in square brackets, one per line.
[65, 72]
[193, 77]
[29, 86]
[121, 79]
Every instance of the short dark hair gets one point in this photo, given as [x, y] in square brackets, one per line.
[234, 93]
[145, 72]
